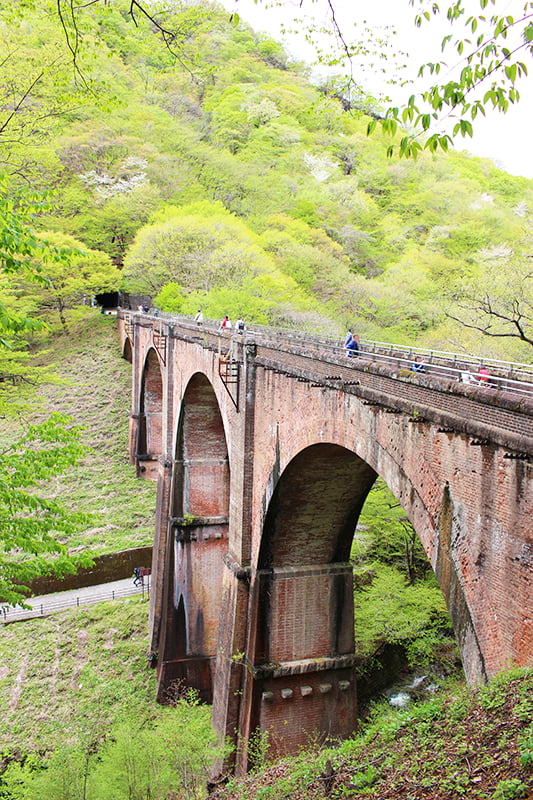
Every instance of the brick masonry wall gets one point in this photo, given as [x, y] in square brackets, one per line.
[111, 567]
[451, 454]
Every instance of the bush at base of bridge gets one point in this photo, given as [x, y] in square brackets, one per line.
[388, 611]
[172, 757]
[397, 600]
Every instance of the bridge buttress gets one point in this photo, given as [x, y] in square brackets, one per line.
[164, 488]
[229, 700]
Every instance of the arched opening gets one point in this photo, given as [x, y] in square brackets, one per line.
[308, 528]
[127, 352]
[313, 511]
[198, 533]
[403, 630]
[150, 435]
[304, 649]
[302, 598]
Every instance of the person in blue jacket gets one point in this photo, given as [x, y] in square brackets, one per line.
[351, 344]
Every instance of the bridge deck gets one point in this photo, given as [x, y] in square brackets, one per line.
[381, 374]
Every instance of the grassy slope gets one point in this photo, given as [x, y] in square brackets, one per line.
[74, 672]
[97, 394]
[83, 670]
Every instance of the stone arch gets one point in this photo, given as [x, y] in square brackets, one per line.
[302, 596]
[127, 350]
[198, 540]
[428, 505]
[314, 508]
[303, 590]
[150, 432]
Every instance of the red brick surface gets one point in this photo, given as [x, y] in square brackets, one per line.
[291, 470]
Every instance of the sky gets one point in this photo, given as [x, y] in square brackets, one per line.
[505, 138]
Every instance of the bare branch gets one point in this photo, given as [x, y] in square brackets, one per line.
[19, 104]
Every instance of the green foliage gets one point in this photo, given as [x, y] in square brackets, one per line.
[490, 49]
[133, 759]
[510, 789]
[499, 308]
[397, 599]
[362, 780]
[195, 252]
[174, 755]
[170, 298]
[525, 747]
[93, 386]
[384, 533]
[29, 523]
[109, 225]
[37, 92]
[19, 245]
[72, 279]
[234, 125]
[388, 610]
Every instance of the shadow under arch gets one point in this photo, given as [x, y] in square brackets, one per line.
[314, 508]
[127, 350]
[150, 430]
[302, 599]
[197, 541]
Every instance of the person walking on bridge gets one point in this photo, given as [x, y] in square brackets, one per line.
[351, 344]
[225, 325]
[483, 376]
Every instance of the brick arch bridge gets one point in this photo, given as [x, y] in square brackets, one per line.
[264, 455]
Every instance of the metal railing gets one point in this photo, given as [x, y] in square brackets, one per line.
[52, 604]
[514, 377]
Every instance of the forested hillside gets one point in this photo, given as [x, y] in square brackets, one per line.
[224, 179]
[215, 175]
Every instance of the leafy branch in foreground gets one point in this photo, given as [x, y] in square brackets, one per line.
[29, 523]
[490, 49]
[25, 253]
[490, 53]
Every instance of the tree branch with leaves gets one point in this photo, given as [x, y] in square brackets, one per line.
[30, 523]
[490, 49]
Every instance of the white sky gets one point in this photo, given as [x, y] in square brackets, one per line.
[506, 138]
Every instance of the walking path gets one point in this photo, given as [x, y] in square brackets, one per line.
[47, 604]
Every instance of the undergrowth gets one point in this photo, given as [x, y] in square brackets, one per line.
[461, 743]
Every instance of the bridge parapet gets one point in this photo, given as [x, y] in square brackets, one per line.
[502, 415]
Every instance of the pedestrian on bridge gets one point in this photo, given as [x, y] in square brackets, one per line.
[199, 318]
[225, 325]
[418, 365]
[351, 344]
[483, 376]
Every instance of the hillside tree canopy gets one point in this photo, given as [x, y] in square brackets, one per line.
[491, 44]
